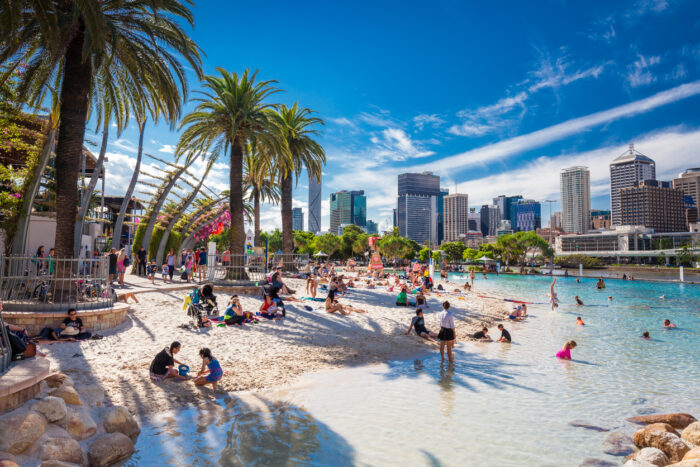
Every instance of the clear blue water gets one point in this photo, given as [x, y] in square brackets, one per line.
[498, 405]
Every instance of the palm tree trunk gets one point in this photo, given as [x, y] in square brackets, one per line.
[256, 214]
[286, 205]
[237, 231]
[117, 232]
[77, 76]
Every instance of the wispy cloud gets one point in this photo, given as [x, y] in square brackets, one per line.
[167, 148]
[433, 120]
[639, 73]
[341, 121]
[124, 145]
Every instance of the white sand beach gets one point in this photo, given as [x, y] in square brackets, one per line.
[268, 355]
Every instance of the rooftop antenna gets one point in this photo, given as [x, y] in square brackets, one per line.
[631, 148]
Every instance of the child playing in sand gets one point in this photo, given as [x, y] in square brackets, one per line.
[505, 335]
[565, 352]
[151, 271]
[482, 335]
[447, 333]
[165, 273]
[211, 372]
[418, 323]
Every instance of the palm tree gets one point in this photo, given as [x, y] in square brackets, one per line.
[295, 127]
[231, 112]
[127, 41]
[258, 178]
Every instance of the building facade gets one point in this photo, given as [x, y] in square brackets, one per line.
[372, 227]
[689, 183]
[625, 171]
[654, 205]
[297, 219]
[456, 215]
[417, 206]
[314, 210]
[474, 220]
[348, 207]
[555, 221]
[575, 190]
[528, 214]
[490, 219]
[600, 219]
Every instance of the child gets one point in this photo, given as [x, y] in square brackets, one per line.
[482, 335]
[447, 333]
[645, 335]
[505, 335]
[668, 324]
[268, 309]
[578, 300]
[420, 300]
[402, 300]
[234, 315]
[165, 273]
[579, 321]
[211, 371]
[565, 352]
[418, 323]
[151, 271]
[553, 299]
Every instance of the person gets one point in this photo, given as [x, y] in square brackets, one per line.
[483, 334]
[516, 314]
[202, 263]
[268, 309]
[467, 287]
[624, 277]
[226, 258]
[668, 324]
[189, 265]
[312, 285]
[183, 258]
[420, 300]
[274, 289]
[52, 260]
[447, 334]
[505, 335]
[601, 283]
[565, 352]
[121, 267]
[211, 372]
[553, 300]
[38, 260]
[151, 271]
[523, 310]
[163, 365]
[164, 271]
[171, 264]
[645, 335]
[234, 316]
[141, 262]
[71, 328]
[663, 297]
[579, 321]
[332, 304]
[578, 301]
[402, 299]
[418, 324]
[578, 281]
[471, 278]
[112, 264]
[610, 298]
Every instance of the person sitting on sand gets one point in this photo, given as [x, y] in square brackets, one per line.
[523, 310]
[668, 324]
[268, 309]
[467, 287]
[553, 299]
[578, 301]
[71, 328]
[447, 333]
[418, 324]
[420, 300]
[402, 299]
[211, 372]
[565, 352]
[234, 315]
[579, 321]
[645, 335]
[516, 314]
[482, 335]
[332, 304]
[163, 365]
[351, 284]
[505, 335]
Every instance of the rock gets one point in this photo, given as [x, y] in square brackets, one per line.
[652, 456]
[618, 444]
[20, 429]
[587, 426]
[118, 419]
[636, 463]
[53, 408]
[68, 394]
[688, 463]
[591, 462]
[109, 449]
[658, 436]
[93, 394]
[61, 449]
[692, 454]
[58, 379]
[79, 423]
[642, 436]
[691, 433]
[676, 420]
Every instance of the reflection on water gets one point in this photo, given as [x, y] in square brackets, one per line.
[447, 396]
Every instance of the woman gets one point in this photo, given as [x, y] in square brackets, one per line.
[402, 299]
[171, 263]
[447, 333]
[311, 285]
[39, 259]
[226, 258]
[163, 365]
[332, 304]
[121, 268]
[234, 316]
[268, 309]
[211, 372]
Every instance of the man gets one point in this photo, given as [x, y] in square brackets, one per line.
[418, 323]
[141, 259]
[71, 328]
[202, 263]
[112, 264]
[505, 335]
[482, 335]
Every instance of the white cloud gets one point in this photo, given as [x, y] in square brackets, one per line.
[679, 72]
[167, 148]
[125, 145]
[341, 121]
[519, 144]
[420, 121]
[639, 74]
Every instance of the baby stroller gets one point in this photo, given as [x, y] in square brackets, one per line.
[201, 303]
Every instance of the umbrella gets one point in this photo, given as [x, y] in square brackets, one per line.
[485, 258]
[320, 253]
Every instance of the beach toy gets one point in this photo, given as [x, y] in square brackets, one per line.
[183, 370]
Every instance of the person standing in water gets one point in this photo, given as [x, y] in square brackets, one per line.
[447, 333]
[601, 283]
[553, 300]
[471, 278]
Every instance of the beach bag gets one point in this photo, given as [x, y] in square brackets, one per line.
[183, 276]
[31, 350]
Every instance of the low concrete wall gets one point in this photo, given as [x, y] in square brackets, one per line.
[22, 382]
[93, 320]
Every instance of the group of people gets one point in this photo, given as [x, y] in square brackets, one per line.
[192, 262]
[163, 367]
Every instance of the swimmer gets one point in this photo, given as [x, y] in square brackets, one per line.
[579, 321]
[565, 352]
[600, 284]
[553, 300]
[668, 324]
[645, 335]
[578, 281]
[578, 300]
[610, 298]
[663, 297]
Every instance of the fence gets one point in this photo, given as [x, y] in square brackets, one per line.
[5, 349]
[54, 284]
[251, 267]
[289, 262]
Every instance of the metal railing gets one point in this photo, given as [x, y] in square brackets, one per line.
[55, 284]
[236, 268]
[5, 348]
[289, 262]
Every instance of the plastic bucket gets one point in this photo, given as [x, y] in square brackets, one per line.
[183, 370]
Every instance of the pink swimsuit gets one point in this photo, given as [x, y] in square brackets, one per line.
[564, 353]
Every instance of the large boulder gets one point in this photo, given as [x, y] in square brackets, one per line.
[118, 419]
[652, 456]
[692, 454]
[68, 394]
[20, 429]
[79, 423]
[642, 436]
[61, 449]
[109, 449]
[93, 394]
[691, 433]
[676, 420]
[688, 463]
[660, 436]
[57, 379]
[618, 444]
[53, 408]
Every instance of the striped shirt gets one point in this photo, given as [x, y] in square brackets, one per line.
[447, 320]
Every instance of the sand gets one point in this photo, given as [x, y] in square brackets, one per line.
[265, 356]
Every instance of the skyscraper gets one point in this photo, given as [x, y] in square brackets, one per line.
[654, 205]
[441, 215]
[348, 207]
[575, 189]
[528, 213]
[490, 219]
[297, 219]
[625, 171]
[417, 206]
[314, 205]
[372, 227]
[689, 183]
[505, 204]
[456, 214]
[474, 221]
[500, 203]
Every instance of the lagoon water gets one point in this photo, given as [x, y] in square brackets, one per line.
[500, 404]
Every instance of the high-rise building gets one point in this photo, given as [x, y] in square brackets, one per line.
[417, 206]
[348, 207]
[297, 219]
[625, 171]
[691, 211]
[314, 205]
[441, 215]
[555, 222]
[490, 219]
[653, 204]
[511, 213]
[575, 189]
[474, 221]
[456, 213]
[528, 213]
[395, 218]
[372, 227]
[500, 203]
[689, 183]
[600, 219]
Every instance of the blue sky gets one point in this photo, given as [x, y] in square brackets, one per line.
[495, 97]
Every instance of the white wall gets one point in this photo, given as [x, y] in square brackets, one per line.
[42, 231]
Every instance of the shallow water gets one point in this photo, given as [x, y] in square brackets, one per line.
[500, 404]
